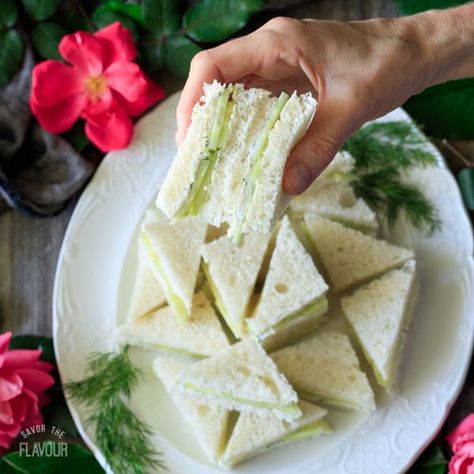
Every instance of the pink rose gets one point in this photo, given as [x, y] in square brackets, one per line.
[23, 381]
[461, 441]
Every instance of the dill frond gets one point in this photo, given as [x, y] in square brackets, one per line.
[120, 435]
[381, 151]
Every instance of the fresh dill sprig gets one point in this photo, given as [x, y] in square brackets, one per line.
[382, 144]
[383, 191]
[381, 151]
[120, 435]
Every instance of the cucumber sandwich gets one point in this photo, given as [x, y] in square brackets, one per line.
[325, 369]
[380, 313]
[242, 378]
[349, 256]
[230, 166]
[211, 424]
[175, 254]
[293, 298]
[232, 271]
[257, 433]
[200, 337]
[147, 293]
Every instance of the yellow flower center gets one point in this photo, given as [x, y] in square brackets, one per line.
[95, 86]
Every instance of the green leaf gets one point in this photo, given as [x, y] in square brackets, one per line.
[102, 18]
[215, 20]
[130, 10]
[161, 16]
[8, 13]
[432, 461]
[45, 344]
[72, 17]
[177, 54]
[41, 9]
[76, 136]
[445, 110]
[466, 185]
[75, 460]
[46, 37]
[151, 56]
[11, 55]
[409, 7]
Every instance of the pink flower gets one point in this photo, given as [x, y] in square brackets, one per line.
[461, 441]
[101, 85]
[23, 381]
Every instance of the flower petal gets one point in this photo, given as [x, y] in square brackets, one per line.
[127, 79]
[117, 43]
[84, 51]
[5, 442]
[111, 130]
[60, 117]
[98, 106]
[20, 358]
[6, 413]
[466, 426]
[150, 95]
[52, 81]
[35, 380]
[5, 341]
[10, 387]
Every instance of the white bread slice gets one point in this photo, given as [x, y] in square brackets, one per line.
[251, 111]
[209, 423]
[255, 433]
[269, 200]
[243, 378]
[325, 369]
[175, 252]
[232, 271]
[201, 336]
[147, 293]
[181, 175]
[379, 313]
[337, 202]
[292, 284]
[351, 257]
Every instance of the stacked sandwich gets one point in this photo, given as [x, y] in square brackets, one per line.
[243, 348]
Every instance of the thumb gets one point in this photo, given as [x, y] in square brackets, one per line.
[333, 123]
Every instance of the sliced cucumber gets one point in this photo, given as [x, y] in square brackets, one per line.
[217, 139]
[256, 160]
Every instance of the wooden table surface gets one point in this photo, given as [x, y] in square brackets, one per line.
[29, 247]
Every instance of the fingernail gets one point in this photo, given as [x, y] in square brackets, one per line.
[299, 176]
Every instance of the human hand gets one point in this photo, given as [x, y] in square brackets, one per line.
[357, 70]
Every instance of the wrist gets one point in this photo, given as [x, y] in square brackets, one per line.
[445, 40]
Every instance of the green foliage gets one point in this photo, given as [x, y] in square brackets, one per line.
[409, 7]
[77, 461]
[103, 17]
[130, 10]
[76, 136]
[178, 52]
[8, 13]
[46, 37]
[432, 461]
[446, 110]
[41, 9]
[45, 344]
[161, 16]
[215, 20]
[382, 151]
[466, 184]
[11, 55]
[120, 435]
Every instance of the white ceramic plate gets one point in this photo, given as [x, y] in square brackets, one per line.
[93, 284]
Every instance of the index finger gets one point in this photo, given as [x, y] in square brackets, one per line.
[225, 63]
